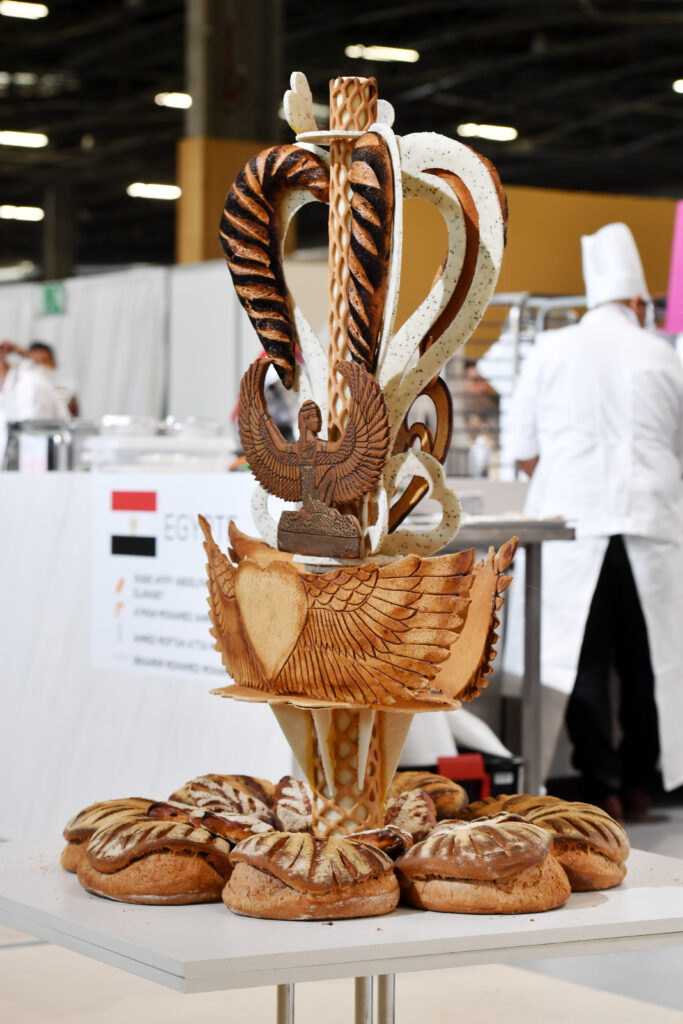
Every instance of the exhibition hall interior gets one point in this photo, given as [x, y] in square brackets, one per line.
[341, 511]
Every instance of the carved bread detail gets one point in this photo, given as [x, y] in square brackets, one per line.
[250, 235]
[449, 797]
[372, 208]
[106, 812]
[484, 850]
[311, 864]
[114, 848]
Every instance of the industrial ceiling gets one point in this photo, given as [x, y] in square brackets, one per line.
[587, 84]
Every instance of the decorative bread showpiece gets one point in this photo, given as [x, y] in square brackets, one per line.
[449, 798]
[233, 827]
[296, 876]
[589, 844]
[498, 865]
[79, 829]
[292, 805]
[414, 812]
[156, 862]
[229, 794]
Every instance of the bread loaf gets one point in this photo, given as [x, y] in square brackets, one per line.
[296, 876]
[229, 794]
[79, 829]
[155, 862]
[449, 798]
[413, 811]
[499, 865]
[232, 827]
[292, 805]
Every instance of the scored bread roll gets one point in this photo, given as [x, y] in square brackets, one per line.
[391, 839]
[413, 811]
[449, 798]
[155, 862]
[229, 794]
[80, 828]
[292, 805]
[232, 827]
[589, 844]
[498, 865]
[295, 876]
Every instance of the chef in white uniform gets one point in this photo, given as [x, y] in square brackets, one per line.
[597, 421]
[27, 391]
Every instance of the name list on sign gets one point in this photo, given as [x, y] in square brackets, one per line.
[149, 610]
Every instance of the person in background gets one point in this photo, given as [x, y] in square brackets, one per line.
[597, 423]
[26, 388]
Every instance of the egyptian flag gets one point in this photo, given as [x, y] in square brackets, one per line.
[133, 543]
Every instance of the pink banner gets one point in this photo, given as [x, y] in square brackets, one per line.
[674, 302]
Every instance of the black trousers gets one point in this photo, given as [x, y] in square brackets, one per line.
[615, 640]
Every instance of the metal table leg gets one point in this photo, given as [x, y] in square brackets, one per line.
[363, 1001]
[386, 998]
[531, 689]
[285, 1004]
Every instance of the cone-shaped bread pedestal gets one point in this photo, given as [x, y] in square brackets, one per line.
[349, 756]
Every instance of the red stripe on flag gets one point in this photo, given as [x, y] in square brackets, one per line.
[134, 501]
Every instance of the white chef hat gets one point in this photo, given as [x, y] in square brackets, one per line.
[611, 266]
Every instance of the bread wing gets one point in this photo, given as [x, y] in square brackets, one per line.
[377, 636]
[226, 626]
[273, 462]
[360, 458]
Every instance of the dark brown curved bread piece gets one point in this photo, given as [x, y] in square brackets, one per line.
[232, 827]
[251, 238]
[371, 179]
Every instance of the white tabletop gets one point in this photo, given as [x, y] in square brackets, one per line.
[206, 948]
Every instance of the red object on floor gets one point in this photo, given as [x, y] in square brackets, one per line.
[466, 766]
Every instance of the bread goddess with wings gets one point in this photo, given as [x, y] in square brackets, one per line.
[321, 474]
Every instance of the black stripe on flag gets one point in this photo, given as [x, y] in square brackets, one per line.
[134, 546]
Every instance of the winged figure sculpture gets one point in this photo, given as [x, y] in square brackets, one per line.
[321, 474]
[392, 636]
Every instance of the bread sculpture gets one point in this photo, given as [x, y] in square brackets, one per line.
[497, 865]
[339, 617]
[589, 844]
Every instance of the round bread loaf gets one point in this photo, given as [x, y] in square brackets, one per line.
[413, 811]
[295, 876]
[229, 794]
[449, 798]
[155, 862]
[79, 829]
[233, 827]
[498, 865]
[589, 844]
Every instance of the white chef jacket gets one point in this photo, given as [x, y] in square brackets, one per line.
[28, 394]
[601, 404]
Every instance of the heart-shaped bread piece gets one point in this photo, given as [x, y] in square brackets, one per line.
[273, 607]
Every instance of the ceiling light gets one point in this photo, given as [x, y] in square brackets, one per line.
[497, 132]
[18, 271]
[182, 100]
[34, 140]
[144, 190]
[677, 86]
[14, 9]
[382, 53]
[8, 212]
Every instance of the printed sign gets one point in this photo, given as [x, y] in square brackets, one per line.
[149, 610]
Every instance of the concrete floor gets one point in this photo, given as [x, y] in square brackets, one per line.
[42, 983]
